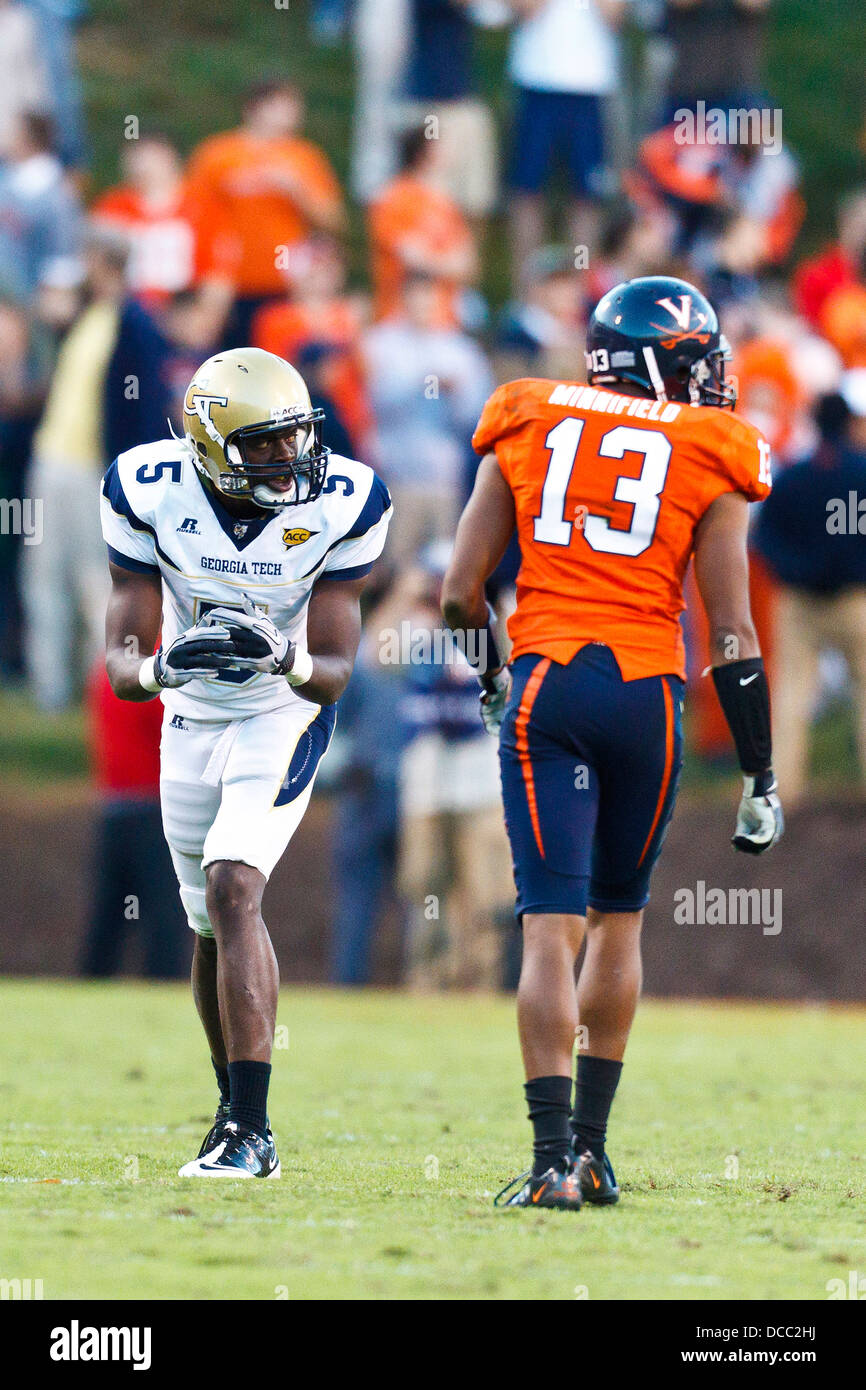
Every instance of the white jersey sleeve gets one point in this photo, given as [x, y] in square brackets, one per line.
[131, 540]
[354, 554]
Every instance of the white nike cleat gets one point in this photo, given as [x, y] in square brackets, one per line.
[238, 1152]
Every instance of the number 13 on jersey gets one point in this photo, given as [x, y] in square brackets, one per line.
[643, 492]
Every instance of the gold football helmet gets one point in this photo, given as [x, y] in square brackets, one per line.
[253, 431]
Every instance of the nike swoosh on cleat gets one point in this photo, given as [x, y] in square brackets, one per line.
[595, 1182]
[540, 1193]
[234, 1170]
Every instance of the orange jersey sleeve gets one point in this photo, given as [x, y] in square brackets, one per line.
[608, 492]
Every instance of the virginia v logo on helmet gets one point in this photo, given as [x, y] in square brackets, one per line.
[663, 335]
[253, 432]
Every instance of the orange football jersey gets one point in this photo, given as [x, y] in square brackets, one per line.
[608, 491]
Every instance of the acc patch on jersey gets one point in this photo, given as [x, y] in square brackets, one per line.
[296, 535]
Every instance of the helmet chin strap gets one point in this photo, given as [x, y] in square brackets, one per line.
[655, 375]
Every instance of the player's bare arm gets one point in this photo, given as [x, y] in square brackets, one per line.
[722, 573]
[485, 529]
[333, 634]
[132, 624]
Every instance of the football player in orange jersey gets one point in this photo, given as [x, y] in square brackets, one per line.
[613, 487]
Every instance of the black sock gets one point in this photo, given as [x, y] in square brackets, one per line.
[222, 1076]
[549, 1102]
[249, 1094]
[595, 1088]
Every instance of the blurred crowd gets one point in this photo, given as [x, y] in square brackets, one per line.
[109, 299]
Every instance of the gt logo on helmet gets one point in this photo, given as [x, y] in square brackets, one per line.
[202, 405]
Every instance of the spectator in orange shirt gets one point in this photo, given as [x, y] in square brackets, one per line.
[417, 229]
[319, 314]
[268, 190]
[173, 246]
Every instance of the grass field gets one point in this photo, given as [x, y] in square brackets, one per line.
[397, 1120]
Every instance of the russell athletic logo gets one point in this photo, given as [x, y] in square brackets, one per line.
[77, 1343]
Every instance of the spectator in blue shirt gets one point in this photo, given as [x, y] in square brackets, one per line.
[811, 531]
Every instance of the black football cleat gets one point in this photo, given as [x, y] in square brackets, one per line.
[219, 1119]
[553, 1189]
[238, 1152]
[597, 1182]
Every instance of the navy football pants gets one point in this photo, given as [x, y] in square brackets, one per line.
[590, 765]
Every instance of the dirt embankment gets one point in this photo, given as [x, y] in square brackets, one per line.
[801, 935]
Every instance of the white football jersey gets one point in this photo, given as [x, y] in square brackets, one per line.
[158, 518]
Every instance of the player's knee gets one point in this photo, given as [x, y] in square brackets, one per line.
[615, 925]
[551, 932]
[234, 892]
[194, 906]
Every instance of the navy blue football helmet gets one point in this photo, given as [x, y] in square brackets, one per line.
[662, 334]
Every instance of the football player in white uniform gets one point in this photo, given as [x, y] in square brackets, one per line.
[247, 544]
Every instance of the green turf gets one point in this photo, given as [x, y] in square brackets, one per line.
[375, 1094]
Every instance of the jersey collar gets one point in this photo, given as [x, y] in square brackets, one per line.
[241, 531]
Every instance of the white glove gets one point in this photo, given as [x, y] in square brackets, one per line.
[199, 653]
[256, 643]
[494, 698]
[760, 822]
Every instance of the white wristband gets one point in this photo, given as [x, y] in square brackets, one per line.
[302, 669]
[147, 676]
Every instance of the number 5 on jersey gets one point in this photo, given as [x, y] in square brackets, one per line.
[643, 492]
